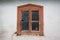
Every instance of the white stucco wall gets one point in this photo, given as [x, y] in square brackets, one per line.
[8, 20]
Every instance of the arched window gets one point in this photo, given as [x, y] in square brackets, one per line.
[30, 20]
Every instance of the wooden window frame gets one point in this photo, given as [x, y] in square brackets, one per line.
[30, 7]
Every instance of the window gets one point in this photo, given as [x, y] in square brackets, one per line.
[30, 20]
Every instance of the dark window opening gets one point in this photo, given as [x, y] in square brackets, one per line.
[35, 15]
[25, 20]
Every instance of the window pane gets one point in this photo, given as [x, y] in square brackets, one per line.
[25, 20]
[35, 26]
[25, 25]
[25, 15]
[35, 15]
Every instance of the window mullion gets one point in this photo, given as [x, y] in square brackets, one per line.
[30, 20]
